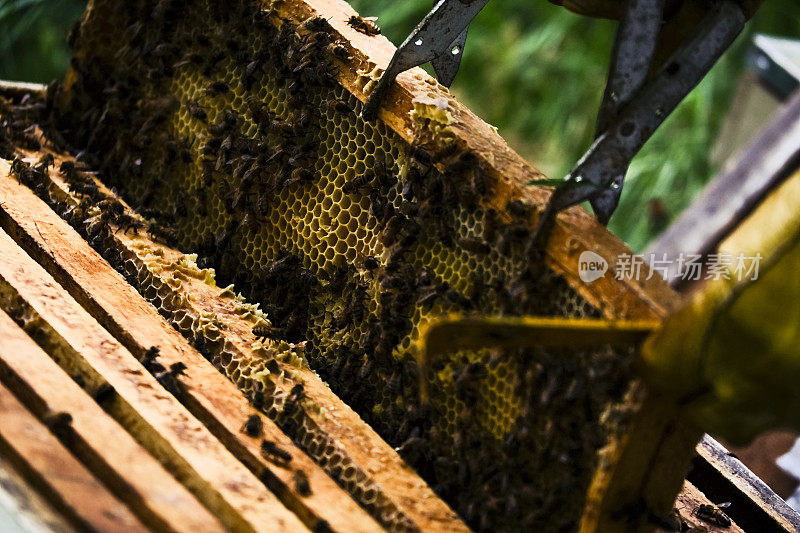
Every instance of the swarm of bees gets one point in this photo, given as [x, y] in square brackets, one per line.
[226, 129]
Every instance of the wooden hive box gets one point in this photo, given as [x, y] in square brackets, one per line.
[232, 129]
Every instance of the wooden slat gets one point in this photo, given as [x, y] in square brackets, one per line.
[66, 483]
[689, 500]
[128, 470]
[349, 433]
[776, 512]
[29, 508]
[18, 89]
[135, 323]
[155, 418]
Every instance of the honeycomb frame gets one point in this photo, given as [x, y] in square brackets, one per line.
[460, 160]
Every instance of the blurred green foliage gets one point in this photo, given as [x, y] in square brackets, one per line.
[33, 37]
[534, 70]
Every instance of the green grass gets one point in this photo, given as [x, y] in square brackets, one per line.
[532, 69]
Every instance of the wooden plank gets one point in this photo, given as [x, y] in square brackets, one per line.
[127, 469]
[136, 324]
[155, 418]
[402, 492]
[689, 500]
[29, 508]
[18, 89]
[66, 483]
[773, 511]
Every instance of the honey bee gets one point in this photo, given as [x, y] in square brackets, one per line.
[413, 448]
[104, 393]
[45, 162]
[165, 234]
[168, 378]
[371, 263]
[299, 175]
[317, 24]
[208, 172]
[301, 483]
[128, 223]
[265, 332]
[196, 111]
[490, 224]
[393, 282]
[227, 123]
[263, 205]
[341, 107]
[366, 370]
[253, 426]
[273, 452]
[376, 206]
[339, 52]
[363, 25]
[216, 88]
[429, 297]
[211, 62]
[394, 384]
[112, 207]
[60, 423]
[475, 246]
[673, 521]
[296, 395]
[179, 204]
[480, 183]
[360, 182]
[150, 355]
[190, 58]
[18, 168]
[250, 71]
[517, 208]
[713, 514]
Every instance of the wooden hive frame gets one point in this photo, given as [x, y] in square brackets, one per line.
[48, 240]
[99, 289]
[575, 232]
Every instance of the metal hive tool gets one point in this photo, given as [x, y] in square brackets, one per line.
[234, 128]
